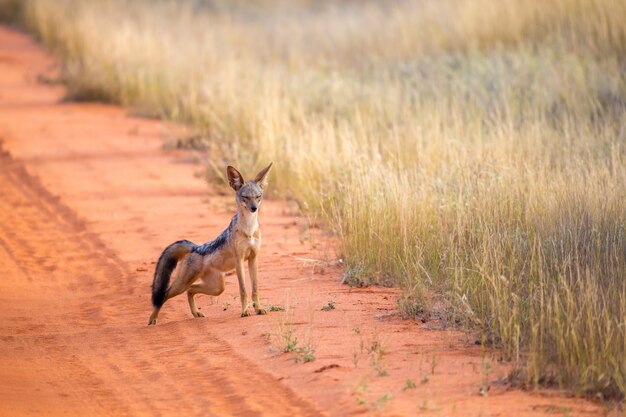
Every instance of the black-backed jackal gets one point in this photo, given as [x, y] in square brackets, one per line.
[208, 263]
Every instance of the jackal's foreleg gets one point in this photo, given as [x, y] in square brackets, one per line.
[242, 288]
[253, 270]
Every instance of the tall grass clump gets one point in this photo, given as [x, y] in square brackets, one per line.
[471, 152]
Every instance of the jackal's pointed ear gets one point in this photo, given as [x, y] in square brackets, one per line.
[234, 178]
[261, 177]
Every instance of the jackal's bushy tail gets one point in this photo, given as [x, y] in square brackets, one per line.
[166, 264]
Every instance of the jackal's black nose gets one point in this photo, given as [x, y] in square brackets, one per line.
[253, 208]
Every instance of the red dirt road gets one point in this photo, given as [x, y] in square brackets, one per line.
[88, 199]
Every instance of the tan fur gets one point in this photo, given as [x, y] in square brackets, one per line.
[244, 244]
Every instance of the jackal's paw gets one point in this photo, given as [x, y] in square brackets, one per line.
[151, 322]
[261, 311]
[198, 315]
[246, 313]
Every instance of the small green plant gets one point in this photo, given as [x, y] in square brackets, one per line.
[304, 354]
[305, 232]
[380, 370]
[276, 308]
[291, 341]
[434, 361]
[267, 337]
[356, 353]
[360, 390]
[376, 405]
[377, 348]
[410, 384]
[330, 305]
[377, 352]
[379, 403]
[355, 358]
[357, 276]
[425, 379]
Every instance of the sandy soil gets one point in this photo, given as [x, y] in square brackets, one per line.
[88, 199]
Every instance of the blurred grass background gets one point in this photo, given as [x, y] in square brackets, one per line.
[470, 152]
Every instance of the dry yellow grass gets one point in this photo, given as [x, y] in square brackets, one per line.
[468, 150]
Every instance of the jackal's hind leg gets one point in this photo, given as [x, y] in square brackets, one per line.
[153, 317]
[186, 275]
[211, 284]
[192, 302]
